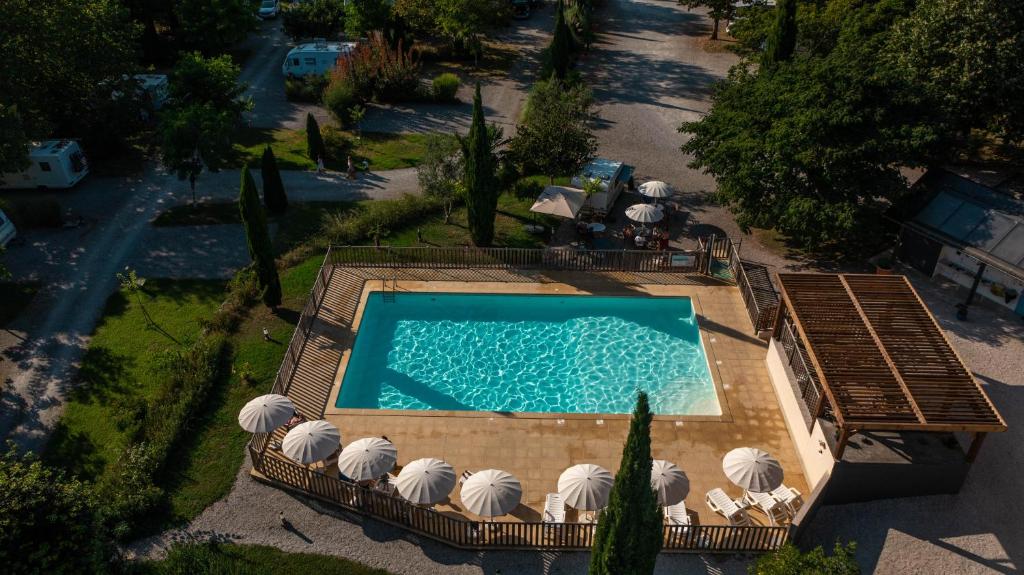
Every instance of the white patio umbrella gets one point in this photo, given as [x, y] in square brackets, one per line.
[367, 458]
[560, 201]
[491, 492]
[426, 481]
[266, 413]
[311, 441]
[656, 189]
[669, 482]
[644, 213]
[585, 486]
[752, 469]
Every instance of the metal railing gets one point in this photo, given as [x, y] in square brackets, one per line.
[761, 301]
[468, 534]
[806, 379]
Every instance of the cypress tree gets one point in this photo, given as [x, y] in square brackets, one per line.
[273, 188]
[781, 41]
[629, 531]
[479, 176]
[257, 236]
[314, 141]
[560, 49]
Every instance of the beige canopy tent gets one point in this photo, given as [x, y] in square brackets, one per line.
[560, 201]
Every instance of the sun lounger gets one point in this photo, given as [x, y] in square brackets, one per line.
[554, 508]
[465, 475]
[789, 497]
[764, 502]
[677, 515]
[722, 504]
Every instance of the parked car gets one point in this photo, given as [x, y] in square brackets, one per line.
[269, 9]
[52, 164]
[7, 230]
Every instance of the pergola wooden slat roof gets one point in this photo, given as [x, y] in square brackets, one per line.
[882, 360]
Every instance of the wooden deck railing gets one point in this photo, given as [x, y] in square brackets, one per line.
[468, 534]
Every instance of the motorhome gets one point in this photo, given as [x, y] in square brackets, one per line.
[153, 88]
[53, 164]
[317, 57]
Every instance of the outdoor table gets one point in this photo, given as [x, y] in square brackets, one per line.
[596, 227]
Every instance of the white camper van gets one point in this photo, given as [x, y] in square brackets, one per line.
[317, 57]
[54, 164]
[153, 88]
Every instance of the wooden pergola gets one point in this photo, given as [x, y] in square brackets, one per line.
[881, 359]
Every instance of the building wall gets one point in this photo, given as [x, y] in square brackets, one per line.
[811, 447]
[995, 286]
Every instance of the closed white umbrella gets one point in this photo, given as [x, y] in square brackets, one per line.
[426, 481]
[367, 458]
[585, 486]
[656, 189]
[669, 482]
[644, 213]
[311, 441]
[491, 492]
[752, 469]
[266, 413]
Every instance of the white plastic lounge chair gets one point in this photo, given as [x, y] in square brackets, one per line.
[789, 497]
[773, 508]
[677, 515]
[554, 508]
[465, 475]
[720, 503]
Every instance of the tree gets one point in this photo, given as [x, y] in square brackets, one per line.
[559, 54]
[479, 176]
[364, 16]
[440, 172]
[782, 40]
[717, 9]
[199, 80]
[211, 26]
[314, 140]
[554, 137]
[967, 56]
[50, 523]
[316, 19]
[13, 141]
[790, 561]
[273, 188]
[628, 536]
[257, 236]
[458, 22]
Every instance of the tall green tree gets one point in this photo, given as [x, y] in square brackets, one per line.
[212, 26]
[554, 137]
[196, 79]
[718, 10]
[629, 530]
[365, 16]
[13, 141]
[257, 236]
[782, 40]
[316, 19]
[314, 140]
[273, 188]
[479, 176]
[559, 54]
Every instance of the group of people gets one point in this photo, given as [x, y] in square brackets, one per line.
[350, 170]
[644, 238]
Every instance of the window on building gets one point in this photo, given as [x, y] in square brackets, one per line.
[44, 166]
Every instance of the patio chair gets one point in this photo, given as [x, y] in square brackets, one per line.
[554, 508]
[789, 497]
[465, 475]
[676, 514]
[773, 508]
[722, 504]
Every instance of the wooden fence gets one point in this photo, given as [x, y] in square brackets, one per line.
[561, 259]
[467, 534]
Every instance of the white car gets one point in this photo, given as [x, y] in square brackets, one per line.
[269, 9]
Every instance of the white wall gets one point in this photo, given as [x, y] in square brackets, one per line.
[815, 456]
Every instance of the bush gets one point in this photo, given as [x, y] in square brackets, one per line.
[356, 227]
[378, 71]
[339, 97]
[527, 188]
[790, 561]
[308, 89]
[33, 212]
[445, 87]
[316, 19]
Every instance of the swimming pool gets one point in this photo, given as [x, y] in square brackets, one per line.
[528, 353]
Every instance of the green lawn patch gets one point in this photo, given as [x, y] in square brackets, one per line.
[382, 151]
[15, 297]
[248, 559]
[115, 369]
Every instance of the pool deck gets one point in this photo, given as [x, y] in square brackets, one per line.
[536, 448]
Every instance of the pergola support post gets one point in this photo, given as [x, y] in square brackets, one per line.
[780, 314]
[972, 451]
[844, 438]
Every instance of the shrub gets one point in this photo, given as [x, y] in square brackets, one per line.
[314, 140]
[378, 71]
[789, 560]
[376, 217]
[337, 143]
[445, 87]
[527, 188]
[308, 89]
[339, 97]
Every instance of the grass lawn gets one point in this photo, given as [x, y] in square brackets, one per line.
[382, 151]
[15, 297]
[116, 368]
[250, 559]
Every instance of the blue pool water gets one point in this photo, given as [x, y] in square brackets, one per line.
[528, 353]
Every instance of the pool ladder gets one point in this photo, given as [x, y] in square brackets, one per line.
[389, 293]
